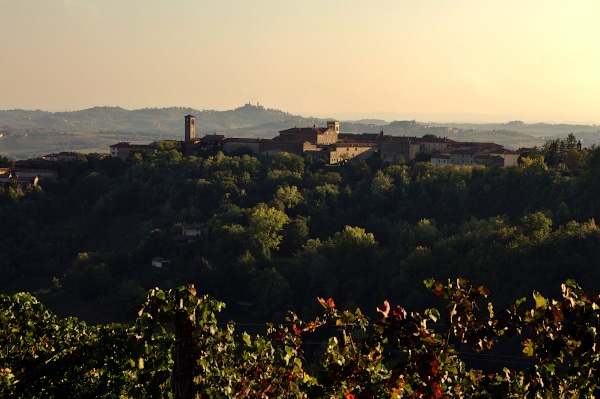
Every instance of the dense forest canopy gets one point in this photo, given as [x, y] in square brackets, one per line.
[359, 232]
[284, 230]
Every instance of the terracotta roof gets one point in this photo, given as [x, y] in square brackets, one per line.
[464, 152]
[124, 144]
[242, 140]
[194, 225]
[431, 140]
[492, 157]
[503, 151]
[305, 130]
[354, 145]
[362, 136]
[213, 137]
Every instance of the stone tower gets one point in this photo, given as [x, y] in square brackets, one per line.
[335, 125]
[190, 127]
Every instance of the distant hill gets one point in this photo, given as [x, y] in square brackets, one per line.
[155, 121]
[26, 134]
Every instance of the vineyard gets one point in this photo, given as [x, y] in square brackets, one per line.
[178, 349]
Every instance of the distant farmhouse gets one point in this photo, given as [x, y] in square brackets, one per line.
[27, 175]
[193, 232]
[62, 157]
[33, 170]
[328, 143]
[124, 149]
[160, 262]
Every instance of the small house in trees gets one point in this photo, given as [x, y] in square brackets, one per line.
[194, 230]
[123, 149]
[511, 158]
[63, 156]
[160, 262]
[27, 175]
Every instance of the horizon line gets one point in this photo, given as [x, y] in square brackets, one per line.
[384, 116]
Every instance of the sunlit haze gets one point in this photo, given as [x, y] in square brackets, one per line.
[538, 61]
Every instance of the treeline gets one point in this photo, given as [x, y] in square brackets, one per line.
[286, 229]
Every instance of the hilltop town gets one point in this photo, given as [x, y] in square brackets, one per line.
[326, 143]
[329, 143]
[319, 142]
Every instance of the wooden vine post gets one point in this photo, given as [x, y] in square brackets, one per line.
[185, 354]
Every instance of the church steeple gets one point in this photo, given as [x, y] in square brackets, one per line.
[190, 127]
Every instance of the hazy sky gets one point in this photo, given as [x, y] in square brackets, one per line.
[521, 59]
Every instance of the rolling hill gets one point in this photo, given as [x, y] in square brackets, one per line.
[27, 134]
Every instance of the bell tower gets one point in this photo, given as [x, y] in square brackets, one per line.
[190, 127]
[335, 125]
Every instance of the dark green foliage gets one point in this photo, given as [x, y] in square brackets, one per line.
[177, 348]
[359, 232]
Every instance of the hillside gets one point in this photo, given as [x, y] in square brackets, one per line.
[26, 134]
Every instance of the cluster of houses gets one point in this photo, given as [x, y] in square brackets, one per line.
[327, 142]
[27, 175]
[30, 171]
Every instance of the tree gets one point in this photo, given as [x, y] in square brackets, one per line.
[5, 162]
[382, 184]
[287, 161]
[352, 252]
[288, 196]
[264, 232]
[554, 152]
[570, 142]
[295, 233]
[424, 157]
[536, 163]
[575, 158]
[537, 226]
[272, 292]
